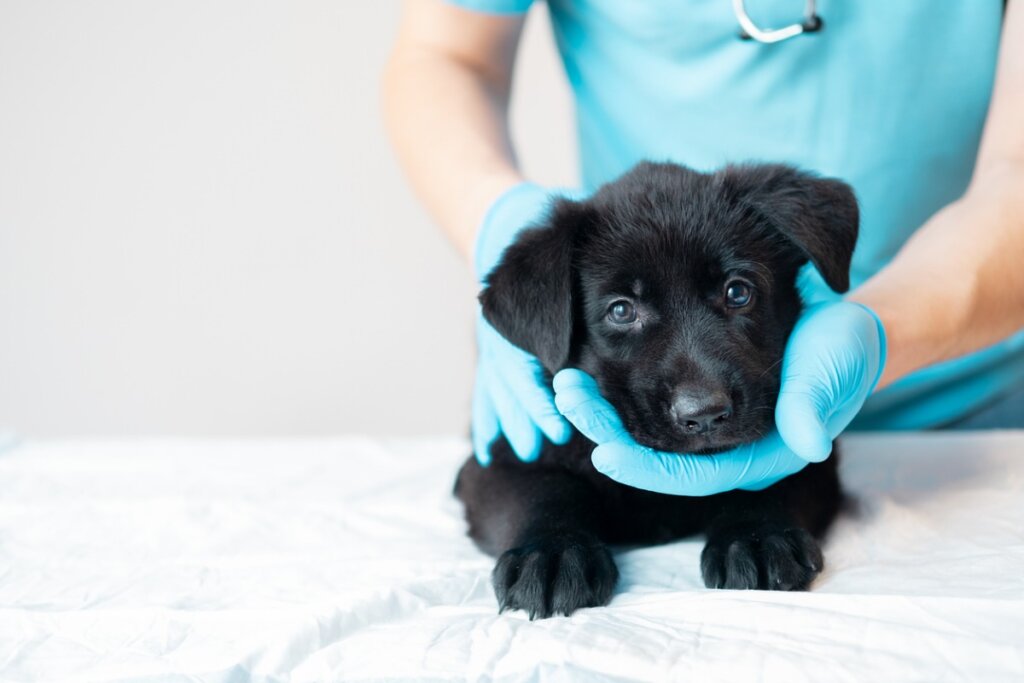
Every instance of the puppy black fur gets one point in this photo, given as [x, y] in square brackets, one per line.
[676, 290]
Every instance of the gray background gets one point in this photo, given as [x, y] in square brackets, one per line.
[203, 229]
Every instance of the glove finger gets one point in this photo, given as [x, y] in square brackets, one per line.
[766, 462]
[651, 470]
[765, 483]
[752, 467]
[832, 362]
[523, 378]
[579, 400]
[800, 416]
[515, 423]
[484, 422]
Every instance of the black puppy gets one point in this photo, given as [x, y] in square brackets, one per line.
[676, 291]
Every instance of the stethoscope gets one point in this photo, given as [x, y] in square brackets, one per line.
[749, 30]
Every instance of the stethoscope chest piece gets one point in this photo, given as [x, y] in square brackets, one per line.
[751, 31]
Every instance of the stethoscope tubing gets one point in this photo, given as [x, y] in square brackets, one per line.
[811, 23]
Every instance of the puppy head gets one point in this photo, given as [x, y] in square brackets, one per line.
[676, 291]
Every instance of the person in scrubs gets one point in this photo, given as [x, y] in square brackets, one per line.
[919, 105]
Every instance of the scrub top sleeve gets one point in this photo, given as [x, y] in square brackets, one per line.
[494, 6]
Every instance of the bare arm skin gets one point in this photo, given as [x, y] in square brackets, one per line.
[446, 93]
[958, 284]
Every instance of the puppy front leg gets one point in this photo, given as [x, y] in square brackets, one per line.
[544, 525]
[767, 539]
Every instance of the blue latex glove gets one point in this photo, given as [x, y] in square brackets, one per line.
[510, 396]
[833, 361]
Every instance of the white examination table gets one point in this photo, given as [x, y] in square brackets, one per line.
[345, 559]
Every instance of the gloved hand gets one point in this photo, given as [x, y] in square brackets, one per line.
[832, 362]
[510, 396]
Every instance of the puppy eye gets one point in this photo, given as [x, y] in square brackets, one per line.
[622, 312]
[738, 293]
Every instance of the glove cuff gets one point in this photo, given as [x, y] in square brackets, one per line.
[518, 208]
[515, 209]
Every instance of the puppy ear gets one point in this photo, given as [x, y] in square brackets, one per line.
[529, 295]
[818, 215]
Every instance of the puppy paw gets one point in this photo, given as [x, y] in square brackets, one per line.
[555, 575]
[765, 557]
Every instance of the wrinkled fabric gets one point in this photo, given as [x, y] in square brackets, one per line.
[346, 559]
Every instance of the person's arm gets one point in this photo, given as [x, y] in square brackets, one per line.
[446, 92]
[958, 284]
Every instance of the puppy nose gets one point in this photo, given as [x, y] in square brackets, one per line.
[699, 410]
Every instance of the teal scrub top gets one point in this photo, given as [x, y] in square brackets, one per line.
[890, 96]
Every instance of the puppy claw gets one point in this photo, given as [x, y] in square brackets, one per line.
[765, 557]
[555, 575]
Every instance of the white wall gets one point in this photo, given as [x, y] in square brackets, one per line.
[203, 230]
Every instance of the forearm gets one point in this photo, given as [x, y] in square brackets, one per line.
[957, 286]
[445, 102]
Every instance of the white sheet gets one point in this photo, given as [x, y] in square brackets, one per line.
[316, 560]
